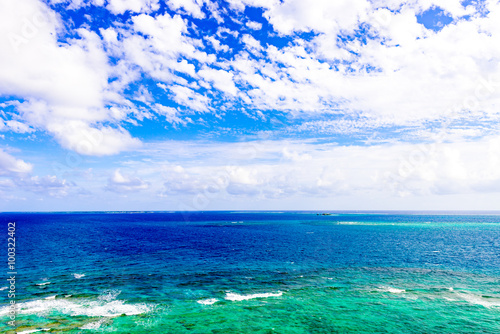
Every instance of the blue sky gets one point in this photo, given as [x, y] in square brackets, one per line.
[240, 104]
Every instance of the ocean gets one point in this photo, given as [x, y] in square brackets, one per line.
[253, 272]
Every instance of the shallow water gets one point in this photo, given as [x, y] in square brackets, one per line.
[230, 272]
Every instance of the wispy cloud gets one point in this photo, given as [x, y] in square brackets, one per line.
[11, 166]
[122, 183]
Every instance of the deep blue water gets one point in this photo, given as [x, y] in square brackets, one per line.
[84, 270]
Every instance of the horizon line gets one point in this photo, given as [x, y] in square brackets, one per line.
[260, 211]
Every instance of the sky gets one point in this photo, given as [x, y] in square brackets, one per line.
[249, 105]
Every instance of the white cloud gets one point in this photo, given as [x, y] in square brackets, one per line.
[171, 114]
[200, 175]
[221, 31]
[218, 46]
[239, 5]
[187, 97]
[254, 25]
[323, 16]
[251, 43]
[394, 73]
[192, 7]
[120, 183]
[163, 51]
[62, 83]
[287, 169]
[166, 42]
[222, 80]
[17, 126]
[177, 182]
[47, 185]
[338, 126]
[16, 177]
[136, 6]
[402, 74]
[73, 75]
[12, 166]
[83, 139]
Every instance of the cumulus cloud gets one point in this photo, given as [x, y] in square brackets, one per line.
[254, 25]
[403, 73]
[62, 84]
[39, 68]
[220, 79]
[395, 71]
[323, 16]
[157, 53]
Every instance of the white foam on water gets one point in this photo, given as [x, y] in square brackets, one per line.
[105, 306]
[478, 300]
[4, 288]
[77, 276]
[236, 297]
[208, 301]
[109, 295]
[44, 283]
[34, 331]
[51, 297]
[391, 289]
[93, 325]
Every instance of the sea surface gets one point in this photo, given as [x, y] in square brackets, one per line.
[253, 272]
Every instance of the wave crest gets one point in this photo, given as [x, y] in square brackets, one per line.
[236, 297]
[106, 305]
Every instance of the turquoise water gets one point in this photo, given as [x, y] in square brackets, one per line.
[235, 272]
